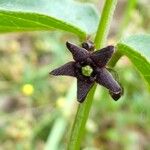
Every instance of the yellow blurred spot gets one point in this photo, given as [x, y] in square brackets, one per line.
[28, 89]
[60, 102]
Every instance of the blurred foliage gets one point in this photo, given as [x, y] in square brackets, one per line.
[34, 105]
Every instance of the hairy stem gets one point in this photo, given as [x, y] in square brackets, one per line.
[78, 128]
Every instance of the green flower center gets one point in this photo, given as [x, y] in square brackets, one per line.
[87, 71]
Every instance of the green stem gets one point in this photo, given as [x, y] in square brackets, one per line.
[104, 23]
[80, 121]
[126, 18]
[78, 128]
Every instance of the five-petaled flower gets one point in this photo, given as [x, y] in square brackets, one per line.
[90, 67]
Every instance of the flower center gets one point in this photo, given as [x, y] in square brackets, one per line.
[87, 71]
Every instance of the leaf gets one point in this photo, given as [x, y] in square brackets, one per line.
[137, 49]
[33, 15]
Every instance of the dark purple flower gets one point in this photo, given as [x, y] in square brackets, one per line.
[90, 67]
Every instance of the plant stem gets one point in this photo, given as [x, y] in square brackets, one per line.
[126, 18]
[84, 109]
[104, 23]
[80, 121]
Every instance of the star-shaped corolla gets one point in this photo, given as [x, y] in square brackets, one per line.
[90, 67]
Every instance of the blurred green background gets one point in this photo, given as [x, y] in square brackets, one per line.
[37, 110]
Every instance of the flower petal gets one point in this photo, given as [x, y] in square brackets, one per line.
[116, 95]
[105, 79]
[102, 56]
[83, 88]
[67, 69]
[79, 54]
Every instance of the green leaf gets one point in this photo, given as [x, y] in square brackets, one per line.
[35, 15]
[137, 49]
